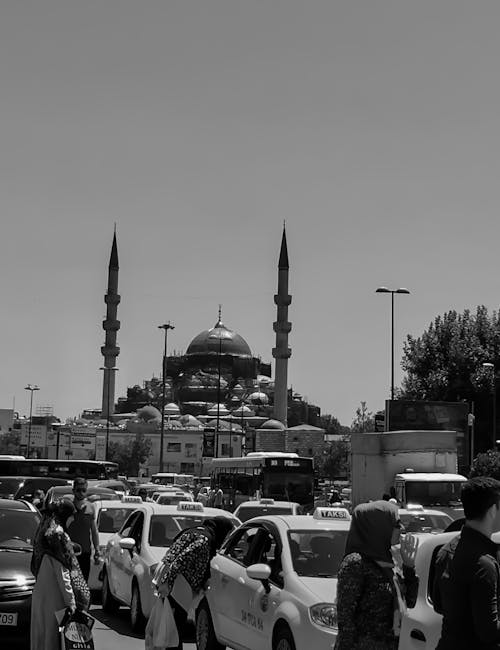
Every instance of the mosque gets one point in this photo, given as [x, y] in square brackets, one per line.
[217, 390]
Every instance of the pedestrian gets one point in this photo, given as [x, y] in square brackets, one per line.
[218, 497]
[371, 594]
[189, 556]
[38, 499]
[334, 497]
[82, 526]
[466, 589]
[59, 583]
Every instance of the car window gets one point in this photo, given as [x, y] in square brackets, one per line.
[136, 530]
[267, 550]
[240, 546]
[110, 520]
[248, 512]
[419, 523]
[127, 526]
[18, 528]
[164, 528]
[317, 553]
[9, 486]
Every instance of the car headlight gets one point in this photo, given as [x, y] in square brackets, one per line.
[324, 614]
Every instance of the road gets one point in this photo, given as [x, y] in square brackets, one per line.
[112, 632]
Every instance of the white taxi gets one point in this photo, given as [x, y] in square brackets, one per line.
[110, 516]
[416, 519]
[273, 584]
[173, 498]
[133, 553]
[264, 507]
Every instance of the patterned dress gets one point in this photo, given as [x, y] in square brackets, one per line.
[189, 556]
[366, 603]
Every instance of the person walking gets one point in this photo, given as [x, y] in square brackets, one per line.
[59, 583]
[466, 589]
[371, 594]
[189, 556]
[82, 526]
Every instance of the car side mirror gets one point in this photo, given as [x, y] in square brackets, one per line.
[127, 543]
[260, 572]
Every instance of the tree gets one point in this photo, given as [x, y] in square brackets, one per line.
[331, 425]
[130, 455]
[445, 363]
[10, 442]
[486, 464]
[334, 462]
[364, 420]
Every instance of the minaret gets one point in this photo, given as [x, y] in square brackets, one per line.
[111, 326]
[282, 328]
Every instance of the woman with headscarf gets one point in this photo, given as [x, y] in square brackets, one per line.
[55, 568]
[371, 594]
[189, 557]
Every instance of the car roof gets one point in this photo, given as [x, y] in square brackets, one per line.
[105, 503]
[266, 504]
[154, 508]
[17, 504]
[302, 522]
[422, 511]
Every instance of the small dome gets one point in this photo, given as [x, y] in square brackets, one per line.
[147, 413]
[219, 340]
[225, 426]
[213, 410]
[243, 410]
[171, 409]
[258, 398]
[273, 424]
[189, 421]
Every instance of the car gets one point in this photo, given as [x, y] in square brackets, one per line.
[417, 519]
[421, 625]
[93, 494]
[27, 488]
[133, 553]
[173, 498]
[18, 524]
[9, 485]
[118, 485]
[273, 584]
[146, 490]
[262, 507]
[110, 516]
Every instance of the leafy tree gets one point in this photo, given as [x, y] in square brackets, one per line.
[486, 464]
[10, 442]
[331, 425]
[364, 420]
[334, 462]
[130, 455]
[445, 363]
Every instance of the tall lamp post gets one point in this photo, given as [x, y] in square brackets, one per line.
[108, 378]
[165, 327]
[392, 292]
[32, 388]
[491, 367]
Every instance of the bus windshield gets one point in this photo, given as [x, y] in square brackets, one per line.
[434, 493]
[285, 486]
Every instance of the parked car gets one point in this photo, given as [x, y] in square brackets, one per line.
[93, 494]
[263, 507]
[29, 485]
[133, 553]
[118, 485]
[417, 519]
[18, 523]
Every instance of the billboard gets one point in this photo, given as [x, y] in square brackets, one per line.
[422, 415]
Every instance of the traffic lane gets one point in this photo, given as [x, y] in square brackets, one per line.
[112, 631]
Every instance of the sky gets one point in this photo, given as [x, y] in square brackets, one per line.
[198, 127]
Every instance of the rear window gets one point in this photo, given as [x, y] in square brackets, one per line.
[17, 528]
[427, 523]
[248, 512]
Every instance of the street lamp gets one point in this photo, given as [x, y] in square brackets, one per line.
[165, 327]
[32, 388]
[392, 292]
[108, 378]
[491, 367]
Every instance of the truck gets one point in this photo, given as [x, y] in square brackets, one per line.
[414, 467]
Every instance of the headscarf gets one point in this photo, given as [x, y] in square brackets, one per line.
[371, 530]
[51, 537]
[218, 529]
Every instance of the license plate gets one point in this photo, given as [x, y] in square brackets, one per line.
[8, 619]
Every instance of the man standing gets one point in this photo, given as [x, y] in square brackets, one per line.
[467, 579]
[82, 527]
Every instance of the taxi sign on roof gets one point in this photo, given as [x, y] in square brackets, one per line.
[268, 502]
[131, 499]
[193, 506]
[332, 513]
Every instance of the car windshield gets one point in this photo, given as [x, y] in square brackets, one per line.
[434, 493]
[9, 486]
[17, 529]
[255, 511]
[420, 523]
[164, 528]
[110, 520]
[317, 553]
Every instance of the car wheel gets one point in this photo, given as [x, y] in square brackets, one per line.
[283, 639]
[109, 602]
[137, 619]
[205, 633]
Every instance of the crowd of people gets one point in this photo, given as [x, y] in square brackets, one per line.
[373, 591]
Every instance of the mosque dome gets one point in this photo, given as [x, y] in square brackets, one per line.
[148, 412]
[273, 424]
[258, 398]
[219, 340]
[171, 409]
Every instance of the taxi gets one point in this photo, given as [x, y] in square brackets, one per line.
[132, 554]
[416, 519]
[173, 498]
[273, 584]
[109, 516]
[263, 507]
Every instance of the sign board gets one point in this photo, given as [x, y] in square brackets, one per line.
[37, 436]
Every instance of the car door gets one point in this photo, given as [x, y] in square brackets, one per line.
[132, 558]
[227, 579]
[117, 557]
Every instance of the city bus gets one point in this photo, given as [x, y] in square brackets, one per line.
[275, 475]
[68, 469]
[171, 478]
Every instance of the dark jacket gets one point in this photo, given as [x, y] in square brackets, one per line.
[465, 592]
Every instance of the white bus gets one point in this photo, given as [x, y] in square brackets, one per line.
[171, 478]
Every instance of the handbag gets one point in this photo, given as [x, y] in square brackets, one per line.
[80, 587]
[75, 630]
